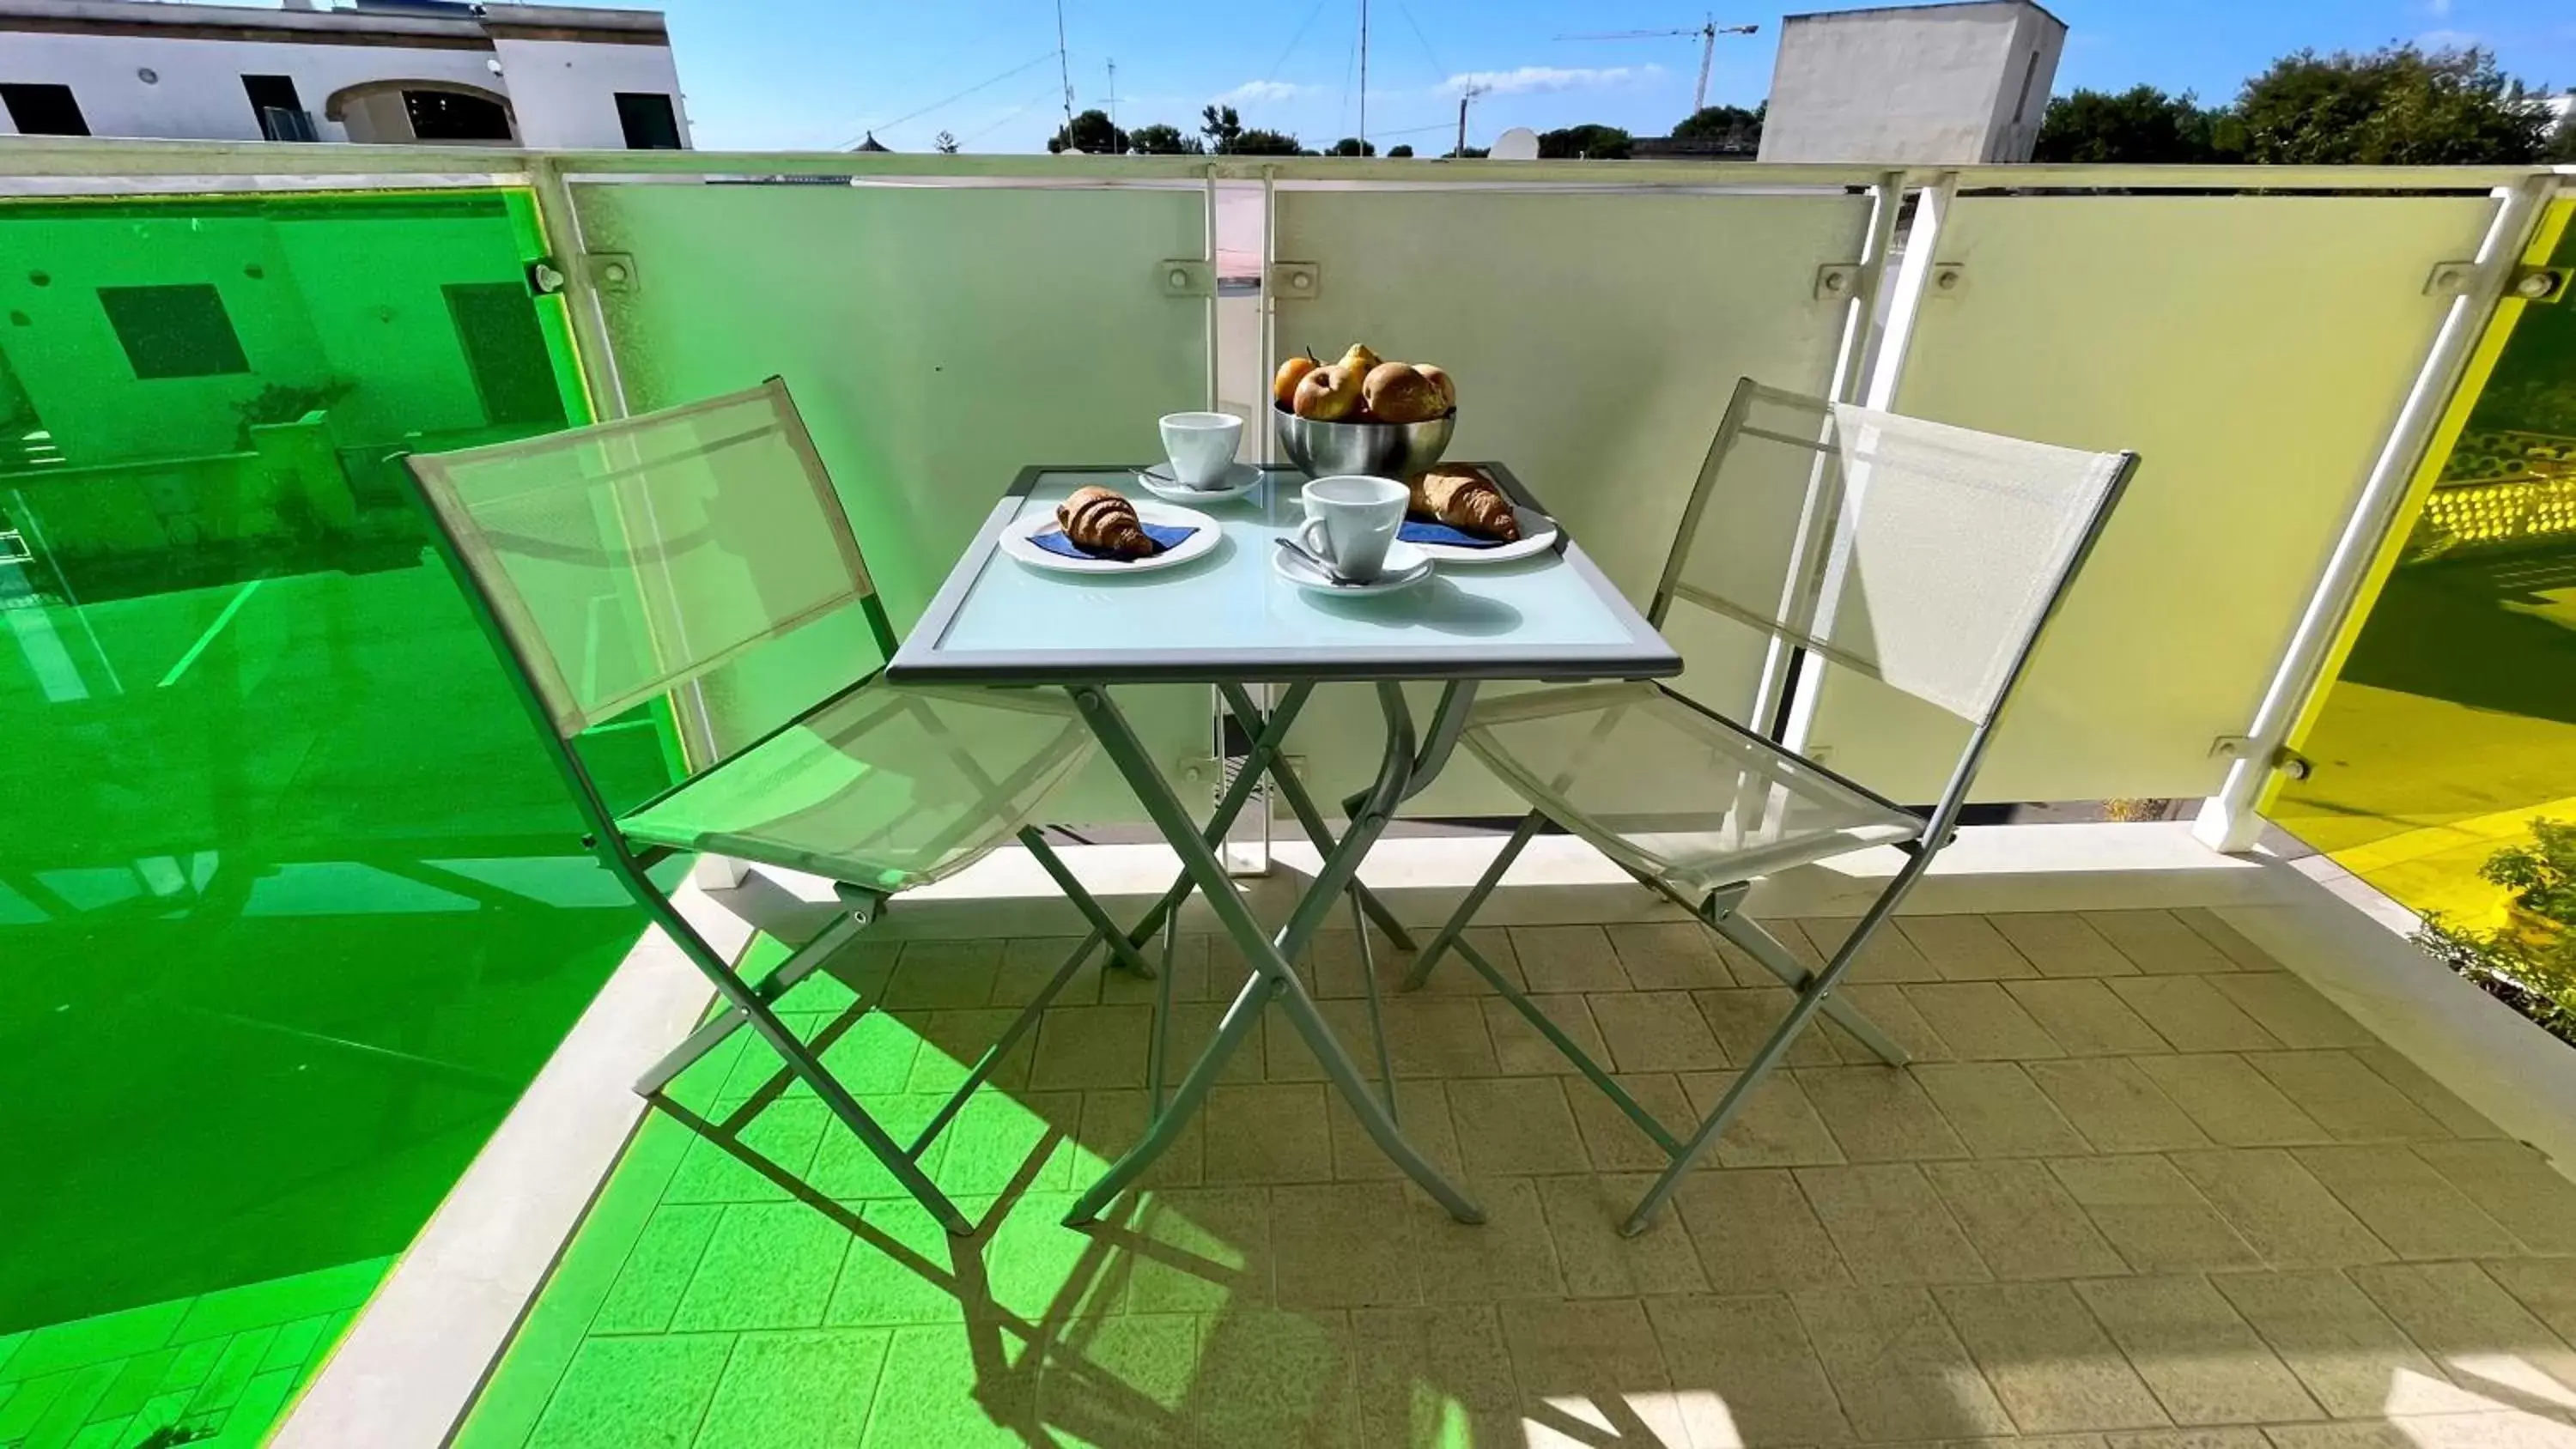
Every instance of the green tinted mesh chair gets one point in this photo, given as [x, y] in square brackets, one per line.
[613, 565]
[1923, 556]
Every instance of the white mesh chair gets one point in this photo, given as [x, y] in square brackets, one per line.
[1924, 556]
[613, 565]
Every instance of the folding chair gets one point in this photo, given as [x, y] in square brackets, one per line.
[1923, 556]
[613, 565]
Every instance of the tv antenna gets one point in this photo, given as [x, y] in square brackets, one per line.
[1064, 69]
[1708, 30]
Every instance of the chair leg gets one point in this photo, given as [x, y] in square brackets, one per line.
[1101, 923]
[719, 1028]
[1812, 997]
[1448, 936]
[1749, 936]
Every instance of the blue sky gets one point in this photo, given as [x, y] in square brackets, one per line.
[819, 73]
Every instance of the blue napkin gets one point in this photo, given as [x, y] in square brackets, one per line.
[1054, 541]
[1416, 530]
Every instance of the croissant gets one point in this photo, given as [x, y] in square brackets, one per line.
[1466, 500]
[1101, 521]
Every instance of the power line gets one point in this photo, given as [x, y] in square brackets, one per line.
[1427, 52]
[1303, 27]
[1012, 114]
[961, 95]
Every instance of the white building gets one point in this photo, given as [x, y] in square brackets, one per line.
[1925, 84]
[392, 71]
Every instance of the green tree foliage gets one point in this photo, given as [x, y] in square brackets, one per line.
[1162, 140]
[2399, 106]
[1267, 143]
[1222, 127]
[1729, 130]
[1352, 146]
[1090, 133]
[1472, 153]
[1398, 153]
[2141, 125]
[944, 143]
[1588, 141]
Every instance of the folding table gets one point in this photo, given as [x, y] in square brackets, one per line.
[1226, 619]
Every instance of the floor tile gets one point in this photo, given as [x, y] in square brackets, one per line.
[1997, 1110]
[657, 1269]
[1509, 1255]
[2159, 943]
[1982, 1022]
[2352, 1359]
[1002, 1138]
[2512, 1185]
[2352, 1102]
[1116, 1378]
[768, 1265]
[944, 973]
[2190, 1013]
[1879, 1114]
[1886, 958]
[735, 1163]
[1275, 1378]
[2086, 1018]
[1599, 1363]
[2235, 1104]
[901, 1268]
[2205, 1364]
[1437, 1375]
[2115, 1105]
[2416, 1211]
[2021, 1220]
[2439, 1102]
[1744, 1372]
[1742, 1020]
[1887, 1009]
[1669, 955]
[1114, 1121]
[2546, 1286]
[804, 1390]
[1274, 1132]
[2279, 1208]
[1611, 1139]
[2152, 1214]
[1520, 1049]
[952, 1041]
[2231, 943]
[2047, 1358]
[1028, 962]
[637, 1393]
[1965, 948]
[1567, 958]
[932, 1391]
[1428, 1036]
[2480, 1334]
[844, 1168]
[1343, 1245]
[2492, 1430]
[2060, 943]
[1422, 1115]
[1775, 1127]
[1199, 1250]
[1454, 977]
[1889, 1226]
[1516, 1125]
[1656, 1031]
[1584, 1215]
[1755, 1231]
[1898, 1367]
[1092, 1046]
[2293, 1011]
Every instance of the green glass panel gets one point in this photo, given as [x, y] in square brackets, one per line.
[2452, 726]
[292, 903]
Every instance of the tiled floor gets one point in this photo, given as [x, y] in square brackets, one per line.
[2142, 1188]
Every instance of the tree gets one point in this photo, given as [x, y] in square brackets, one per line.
[1725, 130]
[1222, 127]
[1399, 153]
[1161, 140]
[1588, 141]
[2141, 125]
[1352, 146]
[2562, 143]
[1472, 153]
[944, 143]
[1090, 133]
[1267, 143]
[2398, 106]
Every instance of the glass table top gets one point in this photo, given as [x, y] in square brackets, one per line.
[1228, 616]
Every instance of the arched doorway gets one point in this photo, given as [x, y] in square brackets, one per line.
[438, 113]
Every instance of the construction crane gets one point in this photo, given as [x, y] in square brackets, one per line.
[1707, 30]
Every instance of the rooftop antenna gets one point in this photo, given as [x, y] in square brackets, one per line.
[1113, 104]
[1472, 91]
[1363, 77]
[1064, 68]
[1708, 30]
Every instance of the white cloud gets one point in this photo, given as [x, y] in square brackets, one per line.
[1256, 92]
[2438, 9]
[2446, 40]
[1535, 78]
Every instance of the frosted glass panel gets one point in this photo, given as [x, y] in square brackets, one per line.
[937, 339]
[2253, 351]
[1595, 338]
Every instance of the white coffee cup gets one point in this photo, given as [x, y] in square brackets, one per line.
[1350, 521]
[1201, 446]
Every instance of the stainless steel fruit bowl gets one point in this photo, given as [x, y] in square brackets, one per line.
[1379, 450]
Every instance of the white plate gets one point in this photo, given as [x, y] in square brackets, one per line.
[1538, 535]
[1406, 566]
[1240, 479]
[1015, 542]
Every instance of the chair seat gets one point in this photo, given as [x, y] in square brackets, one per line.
[882, 787]
[1673, 793]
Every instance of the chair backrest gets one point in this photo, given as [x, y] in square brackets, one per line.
[626, 559]
[1920, 554]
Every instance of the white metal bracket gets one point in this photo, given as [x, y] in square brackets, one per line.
[1837, 281]
[1948, 279]
[1187, 277]
[2451, 279]
[610, 271]
[1296, 281]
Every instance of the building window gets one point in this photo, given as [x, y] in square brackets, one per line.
[280, 112]
[43, 110]
[454, 116]
[174, 331]
[648, 120]
[2029, 77]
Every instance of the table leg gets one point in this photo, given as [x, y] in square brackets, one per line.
[1309, 819]
[1273, 978]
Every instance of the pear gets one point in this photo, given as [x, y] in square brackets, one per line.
[1327, 394]
[1283, 384]
[1395, 392]
[1440, 379]
[1360, 360]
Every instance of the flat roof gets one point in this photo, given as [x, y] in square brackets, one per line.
[421, 27]
[1860, 10]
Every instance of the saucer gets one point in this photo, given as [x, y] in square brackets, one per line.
[1406, 566]
[1240, 479]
